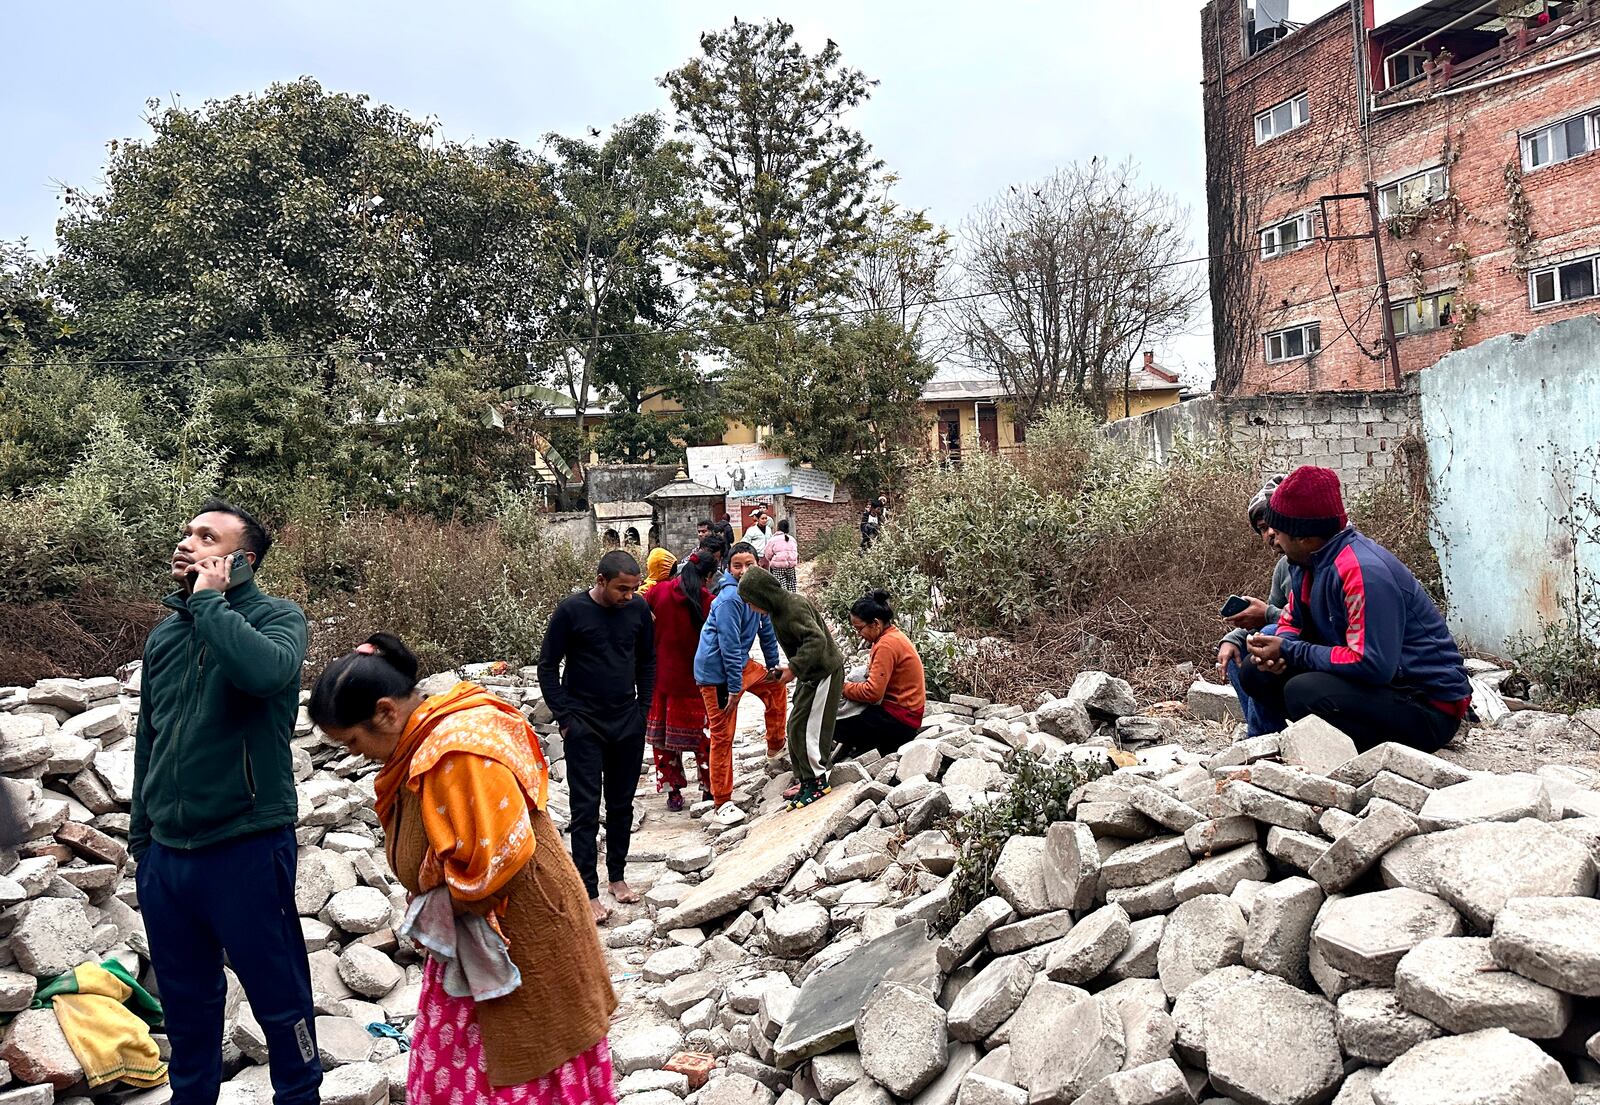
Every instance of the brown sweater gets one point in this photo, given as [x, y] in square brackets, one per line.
[565, 1002]
[894, 678]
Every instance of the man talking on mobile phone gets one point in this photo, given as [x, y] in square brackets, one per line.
[214, 809]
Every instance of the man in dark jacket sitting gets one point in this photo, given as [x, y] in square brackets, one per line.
[214, 809]
[1359, 643]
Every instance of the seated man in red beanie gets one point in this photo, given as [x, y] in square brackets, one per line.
[1359, 644]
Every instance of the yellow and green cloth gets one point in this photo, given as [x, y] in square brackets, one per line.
[106, 1017]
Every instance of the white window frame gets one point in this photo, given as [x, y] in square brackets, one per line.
[1436, 180]
[1552, 137]
[1416, 57]
[1272, 236]
[1424, 310]
[1553, 272]
[1299, 115]
[1310, 342]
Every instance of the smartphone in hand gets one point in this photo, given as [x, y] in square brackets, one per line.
[1236, 604]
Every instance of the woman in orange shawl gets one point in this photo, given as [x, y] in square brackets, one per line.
[462, 796]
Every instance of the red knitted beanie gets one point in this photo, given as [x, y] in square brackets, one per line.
[1308, 503]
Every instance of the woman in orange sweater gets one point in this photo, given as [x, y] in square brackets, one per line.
[516, 998]
[895, 690]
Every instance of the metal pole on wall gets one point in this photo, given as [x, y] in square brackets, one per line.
[1383, 285]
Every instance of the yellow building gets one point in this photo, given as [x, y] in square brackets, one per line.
[980, 409]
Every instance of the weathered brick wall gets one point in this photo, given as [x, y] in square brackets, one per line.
[1359, 434]
[808, 519]
[1466, 246]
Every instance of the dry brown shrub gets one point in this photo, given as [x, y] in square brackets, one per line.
[92, 632]
[1145, 605]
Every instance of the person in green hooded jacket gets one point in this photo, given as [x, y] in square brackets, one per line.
[818, 668]
[214, 807]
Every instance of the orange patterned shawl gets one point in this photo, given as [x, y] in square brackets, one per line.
[476, 765]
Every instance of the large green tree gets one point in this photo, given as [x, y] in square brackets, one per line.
[310, 217]
[840, 394]
[618, 207]
[786, 180]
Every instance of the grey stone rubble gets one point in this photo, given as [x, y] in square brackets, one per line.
[1277, 924]
[67, 894]
[1283, 922]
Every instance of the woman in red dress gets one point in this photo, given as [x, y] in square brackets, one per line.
[677, 722]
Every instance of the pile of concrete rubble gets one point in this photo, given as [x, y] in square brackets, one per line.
[67, 895]
[1283, 922]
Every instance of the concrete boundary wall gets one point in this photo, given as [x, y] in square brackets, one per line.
[1359, 434]
[1513, 432]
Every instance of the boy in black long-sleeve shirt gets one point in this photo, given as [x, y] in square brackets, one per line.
[597, 668]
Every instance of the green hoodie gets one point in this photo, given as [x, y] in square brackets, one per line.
[813, 655]
[220, 691]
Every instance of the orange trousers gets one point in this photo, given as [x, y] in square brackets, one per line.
[722, 721]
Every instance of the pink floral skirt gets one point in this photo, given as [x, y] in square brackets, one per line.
[447, 1060]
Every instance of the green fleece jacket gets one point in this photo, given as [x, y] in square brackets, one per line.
[219, 694]
[802, 632]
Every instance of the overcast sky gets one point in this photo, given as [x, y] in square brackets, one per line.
[972, 97]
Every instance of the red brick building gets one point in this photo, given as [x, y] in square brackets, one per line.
[1474, 124]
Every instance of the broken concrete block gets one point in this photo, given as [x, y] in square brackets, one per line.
[986, 1002]
[1489, 798]
[1030, 932]
[1202, 935]
[1019, 875]
[901, 1036]
[1213, 702]
[1269, 808]
[1189, 1011]
[1455, 983]
[1403, 760]
[1071, 865]
[368, 971]
[1555, 941]
[1267, 1041]
[1219, 874]
[1355, 852]
[1164, 809]
[1220, 834]
[1303, 785]
[1068, 721]
[1092, 945]
[1063, 1042]
[1295, 849]
[1491, 1067]
[1145, 862]
[1278, 936]
[1103, 695]
[1375, 1028]
[1478, 868]
[969, 932]
[52, 937]
[1367, 935]
[1141, 958]
[1116, 818]
[1315, 744]
[1154, 1083]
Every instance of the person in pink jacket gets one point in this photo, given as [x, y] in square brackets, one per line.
[782, 554]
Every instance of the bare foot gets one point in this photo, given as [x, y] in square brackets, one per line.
[624, 893]
[599, 911]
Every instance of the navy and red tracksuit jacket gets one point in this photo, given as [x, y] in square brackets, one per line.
[1356, 611]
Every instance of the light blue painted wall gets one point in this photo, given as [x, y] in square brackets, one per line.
[1513, 434]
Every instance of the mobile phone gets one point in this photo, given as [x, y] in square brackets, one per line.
[1235, 605]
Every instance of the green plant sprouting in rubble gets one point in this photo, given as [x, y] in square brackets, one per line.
[1564, 656]
[1037, 798]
